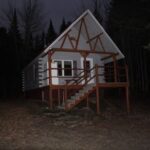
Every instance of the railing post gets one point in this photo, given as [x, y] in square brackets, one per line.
[127, 90]
[85, 69]
[127, 73]
[59, 92]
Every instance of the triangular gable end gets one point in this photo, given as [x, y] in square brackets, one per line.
[92, 36]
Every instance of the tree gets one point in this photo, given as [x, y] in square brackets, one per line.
[31, 24]
[100, 8]
[127, 28]
[15, 53]
[51, 34]
[18, 48]
[3, 61]
[97, 12]
[63, 26]
[15, 40]
[39, 43]
[31, 15]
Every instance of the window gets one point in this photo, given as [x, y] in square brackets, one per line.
[64, 67]
[59, 67]
[67, 68]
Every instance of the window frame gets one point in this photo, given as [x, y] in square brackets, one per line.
[63, 65]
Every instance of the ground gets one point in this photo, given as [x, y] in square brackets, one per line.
[25, 125]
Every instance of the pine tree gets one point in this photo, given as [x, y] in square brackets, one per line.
[63, 26]
[43, 41]
[4, 62]
[39, 43]
[127, 28]
[15, 40]
[15, 52]
[51, 34]
[97, 12]
[102, 10]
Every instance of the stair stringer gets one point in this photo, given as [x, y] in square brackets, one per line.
[74, 103]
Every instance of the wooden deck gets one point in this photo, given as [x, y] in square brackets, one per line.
[113, 84]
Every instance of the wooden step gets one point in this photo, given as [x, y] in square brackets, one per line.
[78, 97]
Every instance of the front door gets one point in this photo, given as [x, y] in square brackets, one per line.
[89, 65]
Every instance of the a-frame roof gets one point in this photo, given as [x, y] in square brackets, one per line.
[95, 32]
[97, 37]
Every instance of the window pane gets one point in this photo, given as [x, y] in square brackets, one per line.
[59, 67]
[67, 68]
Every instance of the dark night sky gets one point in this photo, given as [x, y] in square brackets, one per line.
[54, 9]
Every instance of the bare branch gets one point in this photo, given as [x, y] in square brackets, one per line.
[31, 16]
[7, 14]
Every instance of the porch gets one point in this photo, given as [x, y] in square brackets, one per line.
[85, 81]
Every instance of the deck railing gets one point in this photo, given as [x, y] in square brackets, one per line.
[105, 72]
[83, 77]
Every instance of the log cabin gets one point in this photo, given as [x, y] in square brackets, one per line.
[81, 61]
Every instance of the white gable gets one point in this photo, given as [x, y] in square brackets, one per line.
[94, 28]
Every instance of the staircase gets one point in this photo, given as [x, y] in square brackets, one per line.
[88, 87]
[82, 94]
[79, 96]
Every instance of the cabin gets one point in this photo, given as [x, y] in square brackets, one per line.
[80, 62]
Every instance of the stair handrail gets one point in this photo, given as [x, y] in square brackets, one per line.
[81, 78]
[77, 76]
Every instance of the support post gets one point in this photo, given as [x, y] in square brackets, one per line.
[127, 90]
[66, 94]
[115, 68]
[43, 95]
[59, 103]
[87, 100]
[97, 90]
[97, 100]
[127, 99]
[50, 80]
